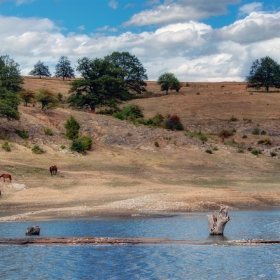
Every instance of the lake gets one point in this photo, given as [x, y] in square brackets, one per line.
[144, 261]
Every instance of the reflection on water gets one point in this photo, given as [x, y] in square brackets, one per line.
[147, 261]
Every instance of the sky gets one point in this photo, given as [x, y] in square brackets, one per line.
[196, 40]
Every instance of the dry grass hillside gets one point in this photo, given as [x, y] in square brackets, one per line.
[125, 172]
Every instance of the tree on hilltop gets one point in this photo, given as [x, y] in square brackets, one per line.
[40, 70]
[169, 81]
[107, 82]
[63, 68]
[264, 73]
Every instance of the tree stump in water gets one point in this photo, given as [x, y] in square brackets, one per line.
[218, 221]
[34, 230]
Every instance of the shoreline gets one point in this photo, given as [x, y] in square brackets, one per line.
[83, 212]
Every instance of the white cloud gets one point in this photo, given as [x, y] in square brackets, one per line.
[20, 2]
[113, 4]
[254, 28]
[82, 27]
[180, 11]
[192, 51]
[249, 8]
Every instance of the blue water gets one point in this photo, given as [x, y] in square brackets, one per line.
[146, 261]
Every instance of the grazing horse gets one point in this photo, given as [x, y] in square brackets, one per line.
[6, 176]
[53, 170]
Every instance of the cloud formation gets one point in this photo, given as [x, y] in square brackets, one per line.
[180, 11]
[113, 4]
[193, 51]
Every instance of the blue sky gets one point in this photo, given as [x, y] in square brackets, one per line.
[197, 40]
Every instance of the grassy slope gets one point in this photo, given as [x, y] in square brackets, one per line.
[185, 173]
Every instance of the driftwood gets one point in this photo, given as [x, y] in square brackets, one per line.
[218, 221]
[34, 230]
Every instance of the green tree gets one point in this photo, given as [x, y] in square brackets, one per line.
[40, 70]
[72, 128]
[27, 96]
[169, 81]
[9, 102]
[106, 82]
[264, 73]
[47, 98]
[132, 72]
[63, 68]
[10, 77]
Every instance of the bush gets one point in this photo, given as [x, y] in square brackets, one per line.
[266, 141]
[62, 147]
[48, 131]
[273, 154]
[6, 146]
[37, 150]
[156, 144]
[244, 136]
[81, 144]
[224, 133]
[118, 115]
[256, 152]
[233, 119]
[174, 123]
[256, 131]
[22, 133]
[72, 128]
[208, 151]
[263, 132]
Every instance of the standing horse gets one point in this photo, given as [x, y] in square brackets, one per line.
[6, 176]
[53, 170]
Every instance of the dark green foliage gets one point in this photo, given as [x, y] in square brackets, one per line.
[156, 121]
[202, 137]
[59, 97]
[156, 144]
[169, 81]
[10, 77]
[119, 115]
[37, 150]
[22, 133]
[47, 98]
[40, 70]
[107, 82]
[264, 73]
[273, 154]
[72, 128]
[130, 112]
[48, 131]
[233, 119]
[244, 136]
[6, 146]
[266, 141]
[208, 151]
[256, 152]
[9, 102]
[173, 123]
[263, 132]
[81, 144]
[63, 68]
[256, 131]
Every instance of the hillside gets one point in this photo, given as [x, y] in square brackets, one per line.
[125, 172]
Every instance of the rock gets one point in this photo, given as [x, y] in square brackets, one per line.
[34, 230]
[19, 187]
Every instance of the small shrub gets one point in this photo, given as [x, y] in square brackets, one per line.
[233, 130]
[215, 149]
[48, 131]
[129, 134]
[241, 151]
[59, 97]
[273, 154]
[62, 147]
[208, 151]
[233, 119]
[263, 132]
[198, 93]
[188, 85]
[256, 152]
[244, 136]
[4, 137]
[174, 123]
[156, 144]
[22, 133]
[132, 111]
[6, 146]
[81, 144]
[256, 131]
[118, 115]
[224, 133]
[266, 141]
[37, 150]
[72, 128]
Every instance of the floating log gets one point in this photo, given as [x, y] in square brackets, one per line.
[217, 222]
[34, 230]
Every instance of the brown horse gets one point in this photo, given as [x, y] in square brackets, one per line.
[6, 176]
[53, 170]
